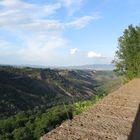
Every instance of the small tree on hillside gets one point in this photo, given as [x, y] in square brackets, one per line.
[127, 59]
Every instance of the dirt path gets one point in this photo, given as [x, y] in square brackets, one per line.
[113, 118]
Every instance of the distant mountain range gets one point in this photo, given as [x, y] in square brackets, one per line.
[91, 67]
[82, 67]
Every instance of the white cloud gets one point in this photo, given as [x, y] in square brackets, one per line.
[41, 48]
[73, 51]
[40, 36]
[81, 22]
[9, 2]
[93, 54]
[40, 24]
[40, 33]
[18, 12]
[71, 5]
[51, 9]
[20, 15]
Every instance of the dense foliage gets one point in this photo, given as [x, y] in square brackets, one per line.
[128, 54]
[31, 125]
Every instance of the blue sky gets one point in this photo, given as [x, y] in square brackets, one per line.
[63, 32]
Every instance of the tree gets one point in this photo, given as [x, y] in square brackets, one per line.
[127, 59]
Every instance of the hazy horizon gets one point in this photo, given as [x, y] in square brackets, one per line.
[4, 64]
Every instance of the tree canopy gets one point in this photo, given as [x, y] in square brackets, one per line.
[127, 59]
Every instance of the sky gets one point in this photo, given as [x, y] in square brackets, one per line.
[63, 32]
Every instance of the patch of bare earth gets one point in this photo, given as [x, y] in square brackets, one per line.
[112, 118]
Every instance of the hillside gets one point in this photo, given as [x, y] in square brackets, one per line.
[116, 117]
[34, 101]
[27, 88]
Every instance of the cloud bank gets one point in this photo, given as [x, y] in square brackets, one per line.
[39, 29]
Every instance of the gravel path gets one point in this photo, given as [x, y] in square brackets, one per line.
[112, 118]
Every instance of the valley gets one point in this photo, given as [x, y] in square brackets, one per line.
[33, 101]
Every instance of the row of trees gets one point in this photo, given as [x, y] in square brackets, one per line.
[127, 59]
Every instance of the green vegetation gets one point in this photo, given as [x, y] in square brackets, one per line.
[81, 106]
[32, 125]
[127, 59]
[35, 101]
